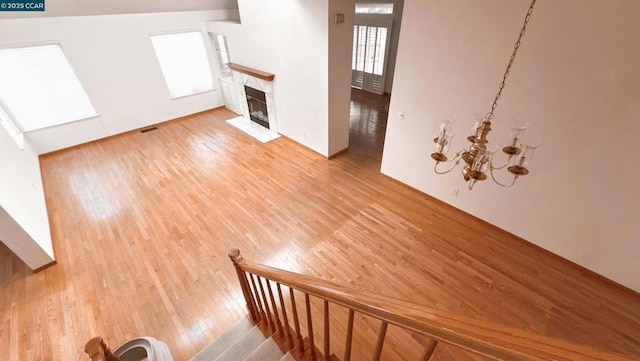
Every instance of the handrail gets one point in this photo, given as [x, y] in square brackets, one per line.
[485, 338]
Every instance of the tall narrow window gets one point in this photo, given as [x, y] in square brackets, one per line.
[184, 63]
[222, 51]
[39, 89]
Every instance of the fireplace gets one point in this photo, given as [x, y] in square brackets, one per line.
[257, 103]
[259, 111]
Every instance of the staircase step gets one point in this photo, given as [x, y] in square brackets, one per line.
[224, 341]
[268, 351]
[242, 347]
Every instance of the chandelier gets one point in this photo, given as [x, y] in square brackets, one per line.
[479, 156]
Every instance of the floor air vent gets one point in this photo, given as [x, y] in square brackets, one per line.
[148, 129]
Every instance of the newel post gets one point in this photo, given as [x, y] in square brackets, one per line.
[237, 259]
[98, 350]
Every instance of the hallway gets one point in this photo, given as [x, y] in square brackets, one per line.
[368, 124]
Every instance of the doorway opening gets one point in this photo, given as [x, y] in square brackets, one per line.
[376, 32]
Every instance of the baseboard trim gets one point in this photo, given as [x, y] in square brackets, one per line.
[339, 153]
[302, 146]
[52, 263]
[130, 131]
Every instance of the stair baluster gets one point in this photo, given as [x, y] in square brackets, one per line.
[312, 347]
[284, 317]
[275, 309]
[296, 322]
[261, 311]
[428, 352]
[381, 335]
[327, 336]
[347, 346]
[266, 306]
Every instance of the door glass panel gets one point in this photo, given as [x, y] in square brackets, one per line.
[361, 47]
[381, 47]
[371, 49]
[354, 58]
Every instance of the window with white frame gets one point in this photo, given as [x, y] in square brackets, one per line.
[39, 89]
[374, 8]
[184, 63]
[222, 51]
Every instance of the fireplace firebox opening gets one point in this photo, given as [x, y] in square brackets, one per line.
[257, 102]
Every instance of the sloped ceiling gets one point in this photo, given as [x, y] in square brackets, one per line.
[106, 7]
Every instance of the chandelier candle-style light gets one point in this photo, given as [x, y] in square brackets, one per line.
[479, 157]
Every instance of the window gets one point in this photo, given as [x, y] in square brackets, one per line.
[39, 89]
[222, 51]
[184, 63]
[374, 8]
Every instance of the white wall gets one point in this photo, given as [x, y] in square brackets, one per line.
[24, 226]
[288, 38]
[576, 79]
[340, 48]
[115, 62]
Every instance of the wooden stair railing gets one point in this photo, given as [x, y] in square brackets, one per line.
[492, 340]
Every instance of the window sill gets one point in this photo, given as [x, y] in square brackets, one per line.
[61, 124]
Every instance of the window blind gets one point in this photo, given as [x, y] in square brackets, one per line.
[39, 89]
[184, 63]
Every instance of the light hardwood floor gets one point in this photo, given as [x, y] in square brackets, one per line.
[142, 224]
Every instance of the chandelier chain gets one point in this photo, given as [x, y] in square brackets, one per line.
[489, 115]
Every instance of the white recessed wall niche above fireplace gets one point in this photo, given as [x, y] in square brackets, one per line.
[255, 91]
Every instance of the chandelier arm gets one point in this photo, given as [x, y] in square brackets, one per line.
[435, 167]
[503, 166]
[489, 115]
[515, 177]
[456, 159]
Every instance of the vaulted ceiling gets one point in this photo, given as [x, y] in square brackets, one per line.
[105, 7]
